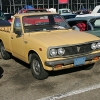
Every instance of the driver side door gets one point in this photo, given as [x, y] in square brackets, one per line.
[17, 39]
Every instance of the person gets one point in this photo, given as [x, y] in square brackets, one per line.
[81, 26]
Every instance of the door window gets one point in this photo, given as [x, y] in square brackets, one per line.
[17, 25]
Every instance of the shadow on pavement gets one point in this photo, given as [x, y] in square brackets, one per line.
[67, 71]
[1, 72]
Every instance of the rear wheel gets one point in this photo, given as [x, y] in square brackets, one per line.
[37, 68]
[4, 54]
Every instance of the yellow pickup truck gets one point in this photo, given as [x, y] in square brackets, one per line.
[46, 42]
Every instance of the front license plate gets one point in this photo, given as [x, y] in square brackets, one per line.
[79, 61]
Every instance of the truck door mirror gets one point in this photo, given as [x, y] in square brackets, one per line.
[18, 31]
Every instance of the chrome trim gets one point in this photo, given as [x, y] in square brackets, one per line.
[70, 60]
[63, 46]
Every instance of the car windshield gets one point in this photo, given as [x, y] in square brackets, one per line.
[44, 23]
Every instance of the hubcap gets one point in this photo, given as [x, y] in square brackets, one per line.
[36, 66]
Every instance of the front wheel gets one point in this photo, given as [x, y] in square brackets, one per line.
[37, 68]
[4, 54]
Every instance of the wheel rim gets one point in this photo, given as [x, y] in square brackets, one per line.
[2, 51]
[36, 66]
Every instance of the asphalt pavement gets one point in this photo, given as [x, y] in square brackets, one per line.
[17, 83]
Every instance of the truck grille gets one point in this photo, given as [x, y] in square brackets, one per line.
[78, 49]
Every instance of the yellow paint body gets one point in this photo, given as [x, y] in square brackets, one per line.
[20, 47]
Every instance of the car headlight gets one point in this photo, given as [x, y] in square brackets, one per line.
[61, 51]
[93, 46]
[98, 45]
[53, 52]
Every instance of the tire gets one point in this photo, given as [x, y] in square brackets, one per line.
[37, 69]
[4, 54]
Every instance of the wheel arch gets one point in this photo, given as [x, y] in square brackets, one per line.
[30, 55]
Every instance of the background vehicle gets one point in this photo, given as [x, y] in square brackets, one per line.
[3, 20]
[92, 24]
[30, 9]
[68, 16]
[9, 16]
[64, 11]
[95, 12]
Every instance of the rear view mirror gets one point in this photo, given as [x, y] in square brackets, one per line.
[18, 30]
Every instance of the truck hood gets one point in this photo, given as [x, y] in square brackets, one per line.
[62, 37]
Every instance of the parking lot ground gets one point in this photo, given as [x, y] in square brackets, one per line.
[18, 83]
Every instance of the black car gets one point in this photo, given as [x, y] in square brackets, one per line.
[92, 24]
[8, 15]
[3, 20]
[68, 16]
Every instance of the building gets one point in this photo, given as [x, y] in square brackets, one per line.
[13, 6]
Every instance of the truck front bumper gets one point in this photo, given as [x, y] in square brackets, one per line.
[69, 61]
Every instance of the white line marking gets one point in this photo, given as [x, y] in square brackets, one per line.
[66, 94]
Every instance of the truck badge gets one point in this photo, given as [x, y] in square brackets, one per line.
[78, 49]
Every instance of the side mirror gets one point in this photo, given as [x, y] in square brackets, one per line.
[18, 31]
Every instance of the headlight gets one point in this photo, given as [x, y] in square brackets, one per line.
[98, 45]
[93, 46]
[53, 52]
[61, 51]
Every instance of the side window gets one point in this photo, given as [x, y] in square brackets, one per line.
[17, 25]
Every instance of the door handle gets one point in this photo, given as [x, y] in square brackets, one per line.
[11, 37]
[25, 42]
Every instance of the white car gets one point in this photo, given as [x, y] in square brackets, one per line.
[95, 12]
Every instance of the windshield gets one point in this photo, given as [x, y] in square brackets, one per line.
[44, 22]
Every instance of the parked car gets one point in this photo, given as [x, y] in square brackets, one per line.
[31, 10]
[9, 16]
[94, 12]
[68, 16]
[64, 11]
[3, 20]
[88, 24]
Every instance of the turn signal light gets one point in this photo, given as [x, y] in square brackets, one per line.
[96, 58]
[58, 66]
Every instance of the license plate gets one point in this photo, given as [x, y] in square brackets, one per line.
[79, 61]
